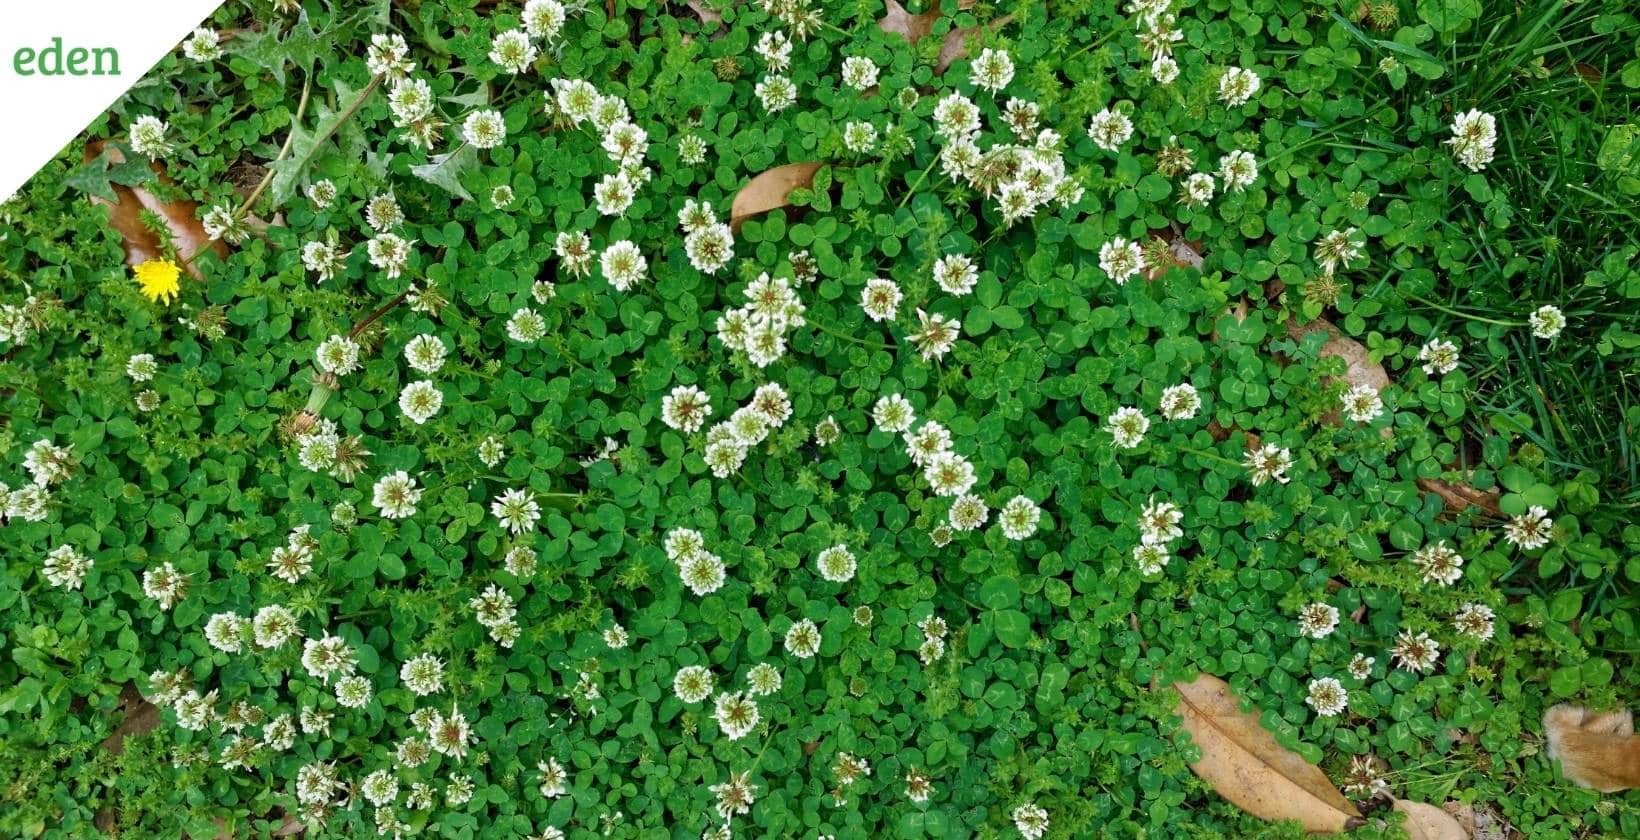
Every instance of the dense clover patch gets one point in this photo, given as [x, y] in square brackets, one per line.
[779, 419]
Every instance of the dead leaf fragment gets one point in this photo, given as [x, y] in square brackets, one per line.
[1427, 822]
[140, 718]
[955, 45]
[897, 21]
[769, 191]
[1595, 750]
[1459, 496]
[124, 216]
[1243, 762]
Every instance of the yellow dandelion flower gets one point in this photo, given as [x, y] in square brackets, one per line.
[158, 279]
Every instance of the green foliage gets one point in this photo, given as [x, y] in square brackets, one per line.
[1043, 686]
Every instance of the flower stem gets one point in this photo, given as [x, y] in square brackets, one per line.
[846, 337]
[1455, 313]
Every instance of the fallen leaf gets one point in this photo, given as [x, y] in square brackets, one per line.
[706, 13]
[1595, 750]
[124, 217]
[1359, 368]
[955, 45]
[1243, 762]
[140, 718]
[1460, 496]
[1183, 253]
[898, 21]
[769, 190]
[1427, 822]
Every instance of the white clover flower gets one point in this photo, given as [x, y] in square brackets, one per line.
[1338, 248]
[517, 510]
[219, 223]
[936, 334]
[1474, 135]
[1327, 696]
[449, 734]
[1237, 86]
[1268, 463]
[1416, 653]
[544, 19]
[323, 259]
[949, 474]
[1121, 259]
[1151, 558]
[576, 99]
[353, 692]
[1361, 404]
[484, 128]
[338, 355]
[1180, 402]
[389, 56]
[859, 137]
[736, 714]
[893, 413]
[1198, 189]
[273, 626]
[686, 408]
[411, 101]
[703, 573]
[1031, 820]
[776, 92]
[1238, 170]
[396, 495]
[993, 70]
[165, 585]
[147, 134]
[1547, 321]
[141, 367]
[956, 274]
[1019, 518]
[968, 513]
[803, 639]
[322, 193]
[710, 248]
[1439, 356]
[382, 212]
[501, 196]
[614, 193]
[526, 326]
[1475, 621]
[859, 72]
[764, 679]
[203, 45]
[420, 400]
[1110, 129]
[1318, 620]
[514, 51]
[691, 150]
[881, 299]
[616, 637]
[389, 252]
[380, 787]
[327, 657]
[422, 674]
[692, 683]
[1164, 69]
[1438, 563]
[836, 564]
[955, 116]
[554, 779]
[1531, 530]
[65, 567]
[1159, 521]
[734, 797]
[425, 353]
[623, 265]
[775, 49]
[1127, 427]
[1360, 666]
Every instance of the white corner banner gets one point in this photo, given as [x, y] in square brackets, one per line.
[63, 62]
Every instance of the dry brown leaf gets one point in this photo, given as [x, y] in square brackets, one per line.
[706, 13]
[1461, 496]
[140, 718]
[1427, 822]
[955, 45]
[1595, 750]
[898, 21]
[1243, 762]
[769, 191]
[141, 244]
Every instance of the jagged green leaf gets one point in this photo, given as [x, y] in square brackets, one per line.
[445, 171]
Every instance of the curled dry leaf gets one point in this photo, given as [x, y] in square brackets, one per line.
[955, 45]
[1427, 822]
[1461, 496]
[1243, 762]
[769, 191]
[1595, 750]
[124, 216]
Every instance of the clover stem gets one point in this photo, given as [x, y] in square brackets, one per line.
[1211, 456]
[1456, 314]
[846, 337]
[923, 176]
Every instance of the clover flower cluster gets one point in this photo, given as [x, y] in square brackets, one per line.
[709, 243]
[1021, 177]
[699, 569]
[729, 442]
[47, 465]
[759, 328]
